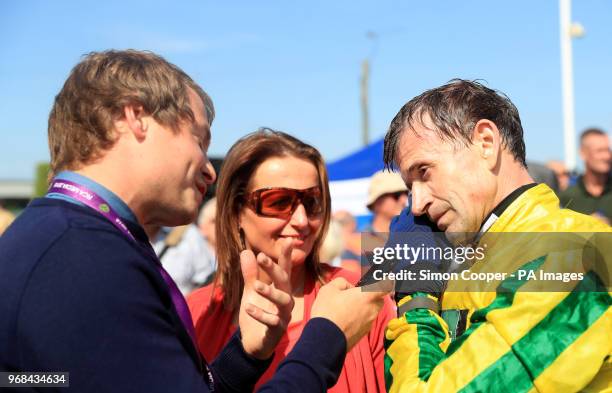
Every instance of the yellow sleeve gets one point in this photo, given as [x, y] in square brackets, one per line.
[416, 342]
[521, 342]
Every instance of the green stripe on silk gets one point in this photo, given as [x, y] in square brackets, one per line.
[505, 296]
[388, 364]
[505, 375]
[451, 317]
[563, 325]
[430, 335]
[539, 348]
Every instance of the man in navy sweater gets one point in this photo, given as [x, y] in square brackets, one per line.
[81, 290]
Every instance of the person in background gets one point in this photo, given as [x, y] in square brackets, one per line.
[350, 255]
[541, 173]
[206, 224]
[332, 245]
[274, 187]
[387, 197]
[561, 172]
[6, 219]
[592, 193]
[184, 254]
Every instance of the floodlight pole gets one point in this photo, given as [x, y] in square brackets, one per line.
[567, 82]
[364, 83]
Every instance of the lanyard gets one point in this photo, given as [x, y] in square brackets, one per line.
[94, 201]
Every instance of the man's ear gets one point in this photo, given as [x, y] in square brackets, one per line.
[133, 121]
[487, 140]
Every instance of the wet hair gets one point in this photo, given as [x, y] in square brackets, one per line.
[454, 109]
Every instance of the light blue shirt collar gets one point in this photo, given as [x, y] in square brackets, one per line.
[120, 207]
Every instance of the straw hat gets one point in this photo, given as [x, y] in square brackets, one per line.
[384, 182]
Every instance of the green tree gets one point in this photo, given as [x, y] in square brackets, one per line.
[40, 180]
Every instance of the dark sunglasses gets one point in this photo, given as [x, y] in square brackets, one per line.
[397, 195]
[281, 202]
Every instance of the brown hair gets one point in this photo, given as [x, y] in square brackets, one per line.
[239, 165]
[97, 90]
[454, 110]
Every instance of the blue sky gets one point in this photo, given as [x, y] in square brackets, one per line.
[295, 66]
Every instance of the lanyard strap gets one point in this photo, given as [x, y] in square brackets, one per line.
[94, 201]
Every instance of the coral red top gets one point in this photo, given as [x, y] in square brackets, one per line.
[363, 369]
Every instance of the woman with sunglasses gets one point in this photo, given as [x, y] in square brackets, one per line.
[273, 187]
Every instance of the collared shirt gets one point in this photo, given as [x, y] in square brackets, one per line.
[502, 206]
[578, 198]
[116, 203]
[191, 263]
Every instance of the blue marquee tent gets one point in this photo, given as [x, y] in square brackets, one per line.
[350, 177]
[362, 163]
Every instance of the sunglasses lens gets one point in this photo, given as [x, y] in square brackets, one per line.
[399, 194]
[311, 202]
[281, 202]
[277, 202]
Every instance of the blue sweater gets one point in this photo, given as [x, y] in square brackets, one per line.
[77, 295]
